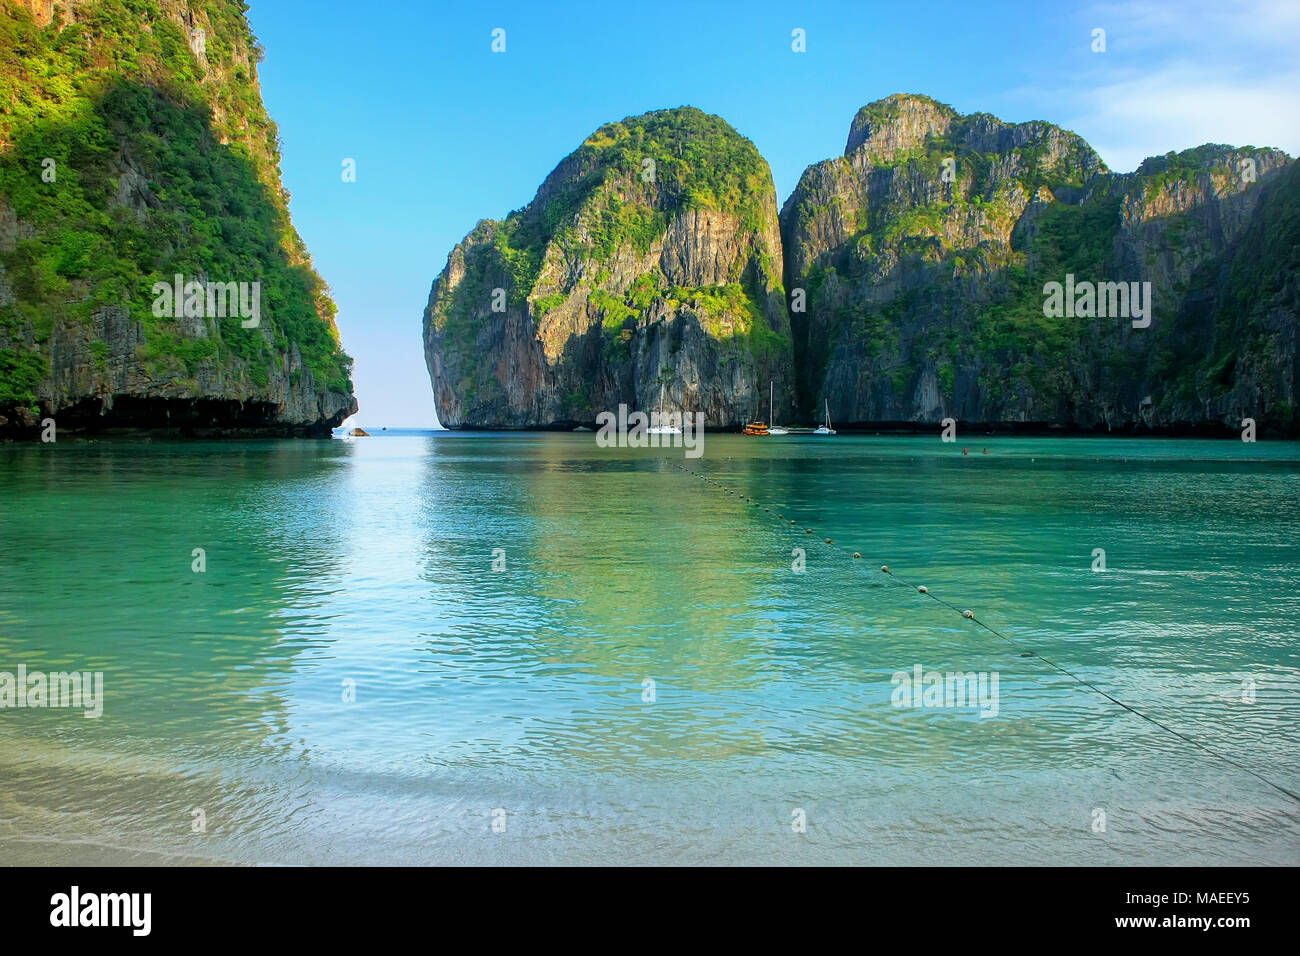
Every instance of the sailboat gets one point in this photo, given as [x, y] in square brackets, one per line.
[825, 428]
[771, 414]
[664, 427]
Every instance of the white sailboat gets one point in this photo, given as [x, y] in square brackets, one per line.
[664, 427]
[771, 414]
[825, 428]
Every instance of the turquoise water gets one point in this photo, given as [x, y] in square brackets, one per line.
[521, 689]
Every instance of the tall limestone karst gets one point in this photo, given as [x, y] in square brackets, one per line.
[134, 147]
[647, 265]
[924, 253]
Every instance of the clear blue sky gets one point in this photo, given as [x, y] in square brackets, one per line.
[444, 132]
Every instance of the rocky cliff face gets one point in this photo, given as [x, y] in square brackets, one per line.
[925, 251]
[918, 267]
[134, 147]
[648, 264]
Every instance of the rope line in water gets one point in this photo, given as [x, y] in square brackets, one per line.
[970, 616]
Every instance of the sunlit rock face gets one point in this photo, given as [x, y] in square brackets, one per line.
[646, 271]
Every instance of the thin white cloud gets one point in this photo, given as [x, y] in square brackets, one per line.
[1179, 73]
[1179, 108]
[1180, 25]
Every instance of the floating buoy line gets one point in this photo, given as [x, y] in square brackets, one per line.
[970, 616]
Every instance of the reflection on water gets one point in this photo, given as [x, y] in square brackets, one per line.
[498, 603]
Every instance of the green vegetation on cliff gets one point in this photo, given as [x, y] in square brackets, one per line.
[1018, 345]
[925, 251]
[619, 188]
[163, 161]
[1253, 322]
[610, 263]
[923, 256]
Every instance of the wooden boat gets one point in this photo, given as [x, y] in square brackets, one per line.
[755, 428]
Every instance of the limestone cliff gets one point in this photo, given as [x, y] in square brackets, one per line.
[134, 147]
[649, 263]
[924, 252]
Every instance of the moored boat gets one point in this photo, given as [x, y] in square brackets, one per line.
[825, 427]
[663, 426]
[774, 428]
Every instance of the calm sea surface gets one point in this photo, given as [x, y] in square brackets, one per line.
[520, 694]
